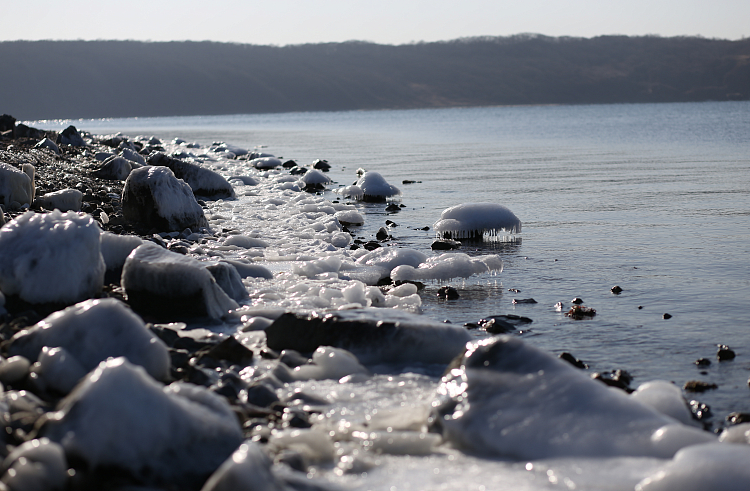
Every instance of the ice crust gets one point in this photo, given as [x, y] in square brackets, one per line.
[468, 219]
[51, 258]
[93, 331]
[121, 417]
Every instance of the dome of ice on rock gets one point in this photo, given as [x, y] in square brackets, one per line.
[51, 258]
[375, 188]
[473, 220]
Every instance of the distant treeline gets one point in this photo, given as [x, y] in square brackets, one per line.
[93, 79]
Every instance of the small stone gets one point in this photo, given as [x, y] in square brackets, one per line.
[572, 360]
[524, 300]
[382, 234]
[699, 386]
[738, 418]
[577, 301]
[579, 312]
[703, 362]
[616, 290]
[700, 411]
[448, 293]
[666, 316]
[725, 353]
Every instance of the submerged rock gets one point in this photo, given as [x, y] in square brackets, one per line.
[372, 335]
[154, 198]
[506, 398]
[121, 419]
[171, 286]
[51, 258]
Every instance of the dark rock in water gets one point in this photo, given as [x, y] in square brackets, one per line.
[409, 181]
[703, 362]
[573, 360]
[392, 208]
[424, 228]
[153, 198]
[447, 292]
[382, 234]
[616, 378]
[204, 182]
[321, 165]
[371, 245]
[230, 350]
[577, 301]
[445, 245]
[373, 336]
[70, 136]
[298, 171]
[616, 290]
[738, 418]
[524, 300]
[579, 312]
[391, 223]
[289, 164]
[725, 353]
[666, 316]
[699, 410]
[228, 279]
[497, 326]
[699, 386]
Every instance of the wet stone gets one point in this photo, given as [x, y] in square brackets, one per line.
[699, 410]
[572, 360]
[447, 292]
[699, 386]
[616, 290]
[615, 378]
[703, 362]
[666, 316]
[725, 353]
[738, 418]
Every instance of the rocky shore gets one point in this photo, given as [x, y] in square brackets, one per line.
[116, 254]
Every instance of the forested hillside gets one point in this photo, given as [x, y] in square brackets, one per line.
[92, 79]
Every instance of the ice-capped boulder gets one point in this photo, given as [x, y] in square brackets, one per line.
[133, 156]
[349, 217]
[228, 279]
[93, 331]
[63, 200]
[475, 220]
[507, 398]
[372, 335]
[154, 198]
[249, 469]
[165, 284]
[204, 182]
[51, 258]
[37, 464]
[16, 186]
[70, 136]
[265, 162]
[116, 249]
[314, 180]
[375, 188]
[702, 467]
[115, 168]
[121, 418]
[448, 266]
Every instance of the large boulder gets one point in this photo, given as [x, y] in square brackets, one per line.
[115, 168]
[154, 198]
[51, 258]
[204, 182]
[166, 285]
[70, 136]
[373, 335]
[120, 419]
[93, 331]
[506, 398]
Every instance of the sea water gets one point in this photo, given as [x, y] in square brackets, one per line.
[654, 198]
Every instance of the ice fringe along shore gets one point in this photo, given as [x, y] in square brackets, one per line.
[289, 299]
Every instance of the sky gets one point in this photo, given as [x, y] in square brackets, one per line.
[285, 22]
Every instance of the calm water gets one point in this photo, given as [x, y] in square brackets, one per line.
[653, 198]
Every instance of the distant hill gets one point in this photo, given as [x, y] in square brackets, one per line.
[93, 79]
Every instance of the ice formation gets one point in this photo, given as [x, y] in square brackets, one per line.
[510, 399]
[176, 434]
[248, 469]
[16, 186]
[448, 266]
[53, 257]
[93, 331]
[374, 188]
[265, 163]
[158, 281]
[63, 200]
[116, 248]
[475, 220]
[37, 464]
[314, 179]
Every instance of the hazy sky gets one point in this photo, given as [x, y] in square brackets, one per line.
[282, 22]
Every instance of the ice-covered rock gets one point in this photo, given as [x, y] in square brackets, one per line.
[247, 270]
[93, 331]
[248, 469]
[244, 180]
[352, 191]
[16, 186]
[36, 465]
[48, 144]
[349, 217]
[116, 249]
[375, 188]
[57, 370]
[736, 434]
[132, 156]
[448, 266]
[666, 398]
[474, 220]
[372, 335]
[228, 279]
[53, 257]
[507, 398]
[63, 200]
[265, 162]
[115, 168]
[245, 241]
[154, 198]
[702, 467]
[121, 418]
[71, 136]
[204, 182]
[161, 283]
[314, 179]
[328, 363]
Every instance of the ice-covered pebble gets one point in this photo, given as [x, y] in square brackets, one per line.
[63, 200]
[58, 370]
[15, 186]
[248, 469]
[36, 465]
[329, 363]
[375, 188]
